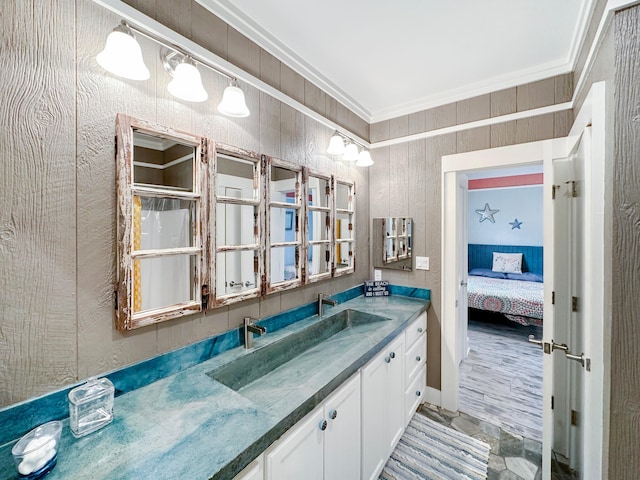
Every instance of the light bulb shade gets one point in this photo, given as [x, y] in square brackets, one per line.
[122, 55]
[233, 103]
[336, 145]
[364, 159]
[351, 153]
[187, 83]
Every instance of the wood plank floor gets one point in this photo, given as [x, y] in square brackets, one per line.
[501, 379]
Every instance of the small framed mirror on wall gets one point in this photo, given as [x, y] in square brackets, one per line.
[392, 243]
[238, 225]
[283, 211]
[163, 250]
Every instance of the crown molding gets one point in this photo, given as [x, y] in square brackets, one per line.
[229, 13]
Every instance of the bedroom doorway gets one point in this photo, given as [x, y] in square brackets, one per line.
[500, 371]
[588, 132]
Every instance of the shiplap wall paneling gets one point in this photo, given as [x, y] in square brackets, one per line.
[624, 461]
[37, 205]
[100, 97]
[504, 102]
[399, 173]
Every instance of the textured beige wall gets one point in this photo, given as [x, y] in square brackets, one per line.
[406, 178]
[57, 202]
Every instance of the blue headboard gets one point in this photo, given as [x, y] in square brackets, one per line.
[481, 256]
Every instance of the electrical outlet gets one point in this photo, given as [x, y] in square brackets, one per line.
[422, 263]
[377, 275]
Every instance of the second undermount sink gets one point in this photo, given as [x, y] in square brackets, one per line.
[257, 363]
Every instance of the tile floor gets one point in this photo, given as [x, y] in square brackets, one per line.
[512, 457]
[501, 379]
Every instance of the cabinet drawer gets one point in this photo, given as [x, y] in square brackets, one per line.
[414, 394]
[415, 358]
[417, 328]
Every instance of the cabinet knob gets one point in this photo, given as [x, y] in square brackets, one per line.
[333, 414]
[392, 354]
[420, 330]
[387, 360]
[418, 393]
[323, 425]
[418, 358]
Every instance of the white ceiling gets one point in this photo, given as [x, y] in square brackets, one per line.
[384, 58]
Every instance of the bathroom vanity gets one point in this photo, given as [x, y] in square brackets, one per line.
[326, 395]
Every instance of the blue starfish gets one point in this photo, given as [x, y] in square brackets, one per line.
[515, 224]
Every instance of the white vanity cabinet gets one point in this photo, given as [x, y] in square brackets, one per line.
[383, 407]
[415, 366]
[253, 471]
[325, 444]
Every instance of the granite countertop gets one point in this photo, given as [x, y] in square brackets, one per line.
[188, 425]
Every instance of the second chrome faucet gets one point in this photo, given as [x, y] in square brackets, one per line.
[322, 301]
[250, 327]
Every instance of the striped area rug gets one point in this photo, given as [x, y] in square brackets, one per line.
[428, 450]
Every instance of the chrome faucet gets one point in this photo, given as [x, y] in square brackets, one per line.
[322, 301]
[250, 327]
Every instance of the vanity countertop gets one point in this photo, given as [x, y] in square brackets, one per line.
[188, 425]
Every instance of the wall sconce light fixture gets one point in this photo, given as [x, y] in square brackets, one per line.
[122, 56]
[187, 82]
[336, 144]
[233, 103]
[364, 159]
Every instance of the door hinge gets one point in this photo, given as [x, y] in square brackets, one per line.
[115, 300]
[553, 191]
[553, 400]
[575, 418]
[574, 191]
[574, 304]
[553, 298]
[263, 164]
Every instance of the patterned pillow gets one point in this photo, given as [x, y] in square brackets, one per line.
[507, 262]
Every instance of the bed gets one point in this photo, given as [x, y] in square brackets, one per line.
[519, 297]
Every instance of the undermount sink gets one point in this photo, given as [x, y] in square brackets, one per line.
[259, 362]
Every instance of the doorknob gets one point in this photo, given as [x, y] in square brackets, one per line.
[559, 346]
[463, 283]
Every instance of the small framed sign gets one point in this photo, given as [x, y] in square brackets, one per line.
[379, 288]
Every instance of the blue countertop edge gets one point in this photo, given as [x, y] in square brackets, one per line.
[17, 419]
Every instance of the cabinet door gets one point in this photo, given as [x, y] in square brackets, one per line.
[342, 437]
[253, 471]
[374, 444]
[299, 452]
[394, 393]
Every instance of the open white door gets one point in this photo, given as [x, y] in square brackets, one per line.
[573, 332]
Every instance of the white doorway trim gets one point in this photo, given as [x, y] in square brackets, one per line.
[452, 166]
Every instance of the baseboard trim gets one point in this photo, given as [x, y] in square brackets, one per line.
[432, 396]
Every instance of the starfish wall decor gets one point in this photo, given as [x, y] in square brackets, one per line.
[487, 214]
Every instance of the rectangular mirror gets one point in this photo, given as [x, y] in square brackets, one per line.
[318, 224]
[163, 243]
[344, 227]
[284, 238]
[238, 225]
[392, 243]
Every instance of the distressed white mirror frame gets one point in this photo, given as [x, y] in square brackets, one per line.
[290, 222]
[249, 287]
[344, 227]
[129, 258]
[313, 205]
